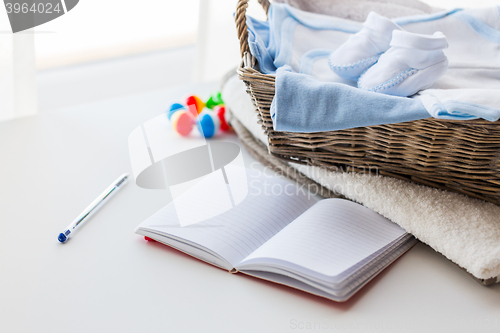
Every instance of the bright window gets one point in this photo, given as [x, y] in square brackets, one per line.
[97, 29]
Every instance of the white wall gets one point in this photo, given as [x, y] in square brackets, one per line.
[218, 45]
[17, 72]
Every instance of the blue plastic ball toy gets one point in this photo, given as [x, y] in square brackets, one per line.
[174, 108]
[208, 124]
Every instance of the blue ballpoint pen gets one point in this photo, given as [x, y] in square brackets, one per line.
[92, 208]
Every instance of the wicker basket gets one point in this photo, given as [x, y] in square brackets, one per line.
[460, 156]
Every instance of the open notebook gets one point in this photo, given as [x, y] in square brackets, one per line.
[329, 247]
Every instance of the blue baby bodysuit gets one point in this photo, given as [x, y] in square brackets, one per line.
[335, 105]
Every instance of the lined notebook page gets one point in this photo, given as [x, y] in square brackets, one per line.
[330, 237]
[239, 231]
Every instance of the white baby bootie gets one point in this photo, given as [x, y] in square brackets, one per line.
[364, 48]
[414, 62]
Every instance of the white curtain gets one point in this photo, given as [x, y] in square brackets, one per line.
[17, 72]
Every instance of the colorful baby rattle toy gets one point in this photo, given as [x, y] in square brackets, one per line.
[209, 116]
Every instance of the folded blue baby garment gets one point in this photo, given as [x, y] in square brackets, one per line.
[470, 89]
[260, 44]
[305, 104]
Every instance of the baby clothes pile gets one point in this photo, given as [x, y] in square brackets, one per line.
[447, 62]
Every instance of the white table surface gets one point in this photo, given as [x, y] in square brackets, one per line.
[108, 279]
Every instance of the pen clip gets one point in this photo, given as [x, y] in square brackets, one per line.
[121, 181]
